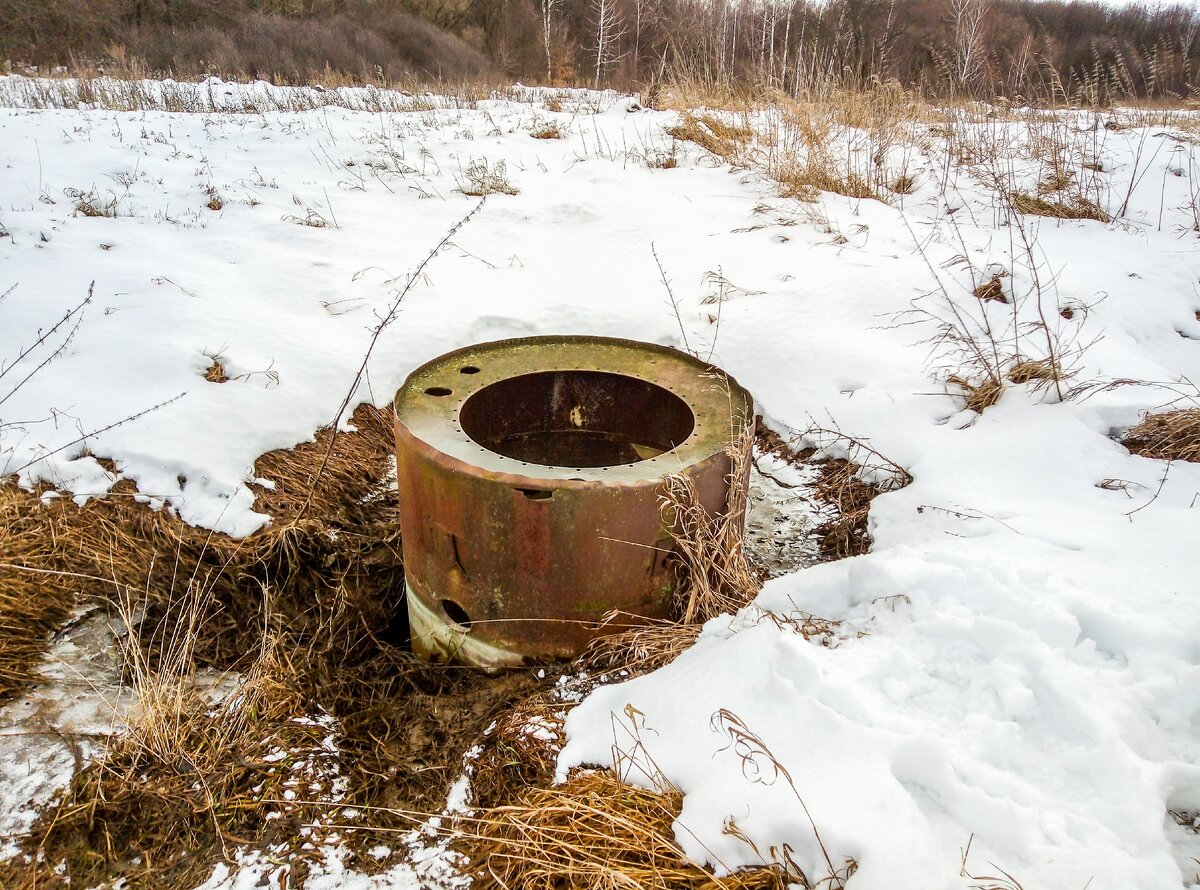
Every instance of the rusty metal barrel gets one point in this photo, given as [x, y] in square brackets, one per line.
[529, 475]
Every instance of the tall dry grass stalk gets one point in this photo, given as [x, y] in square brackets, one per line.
[712, 547]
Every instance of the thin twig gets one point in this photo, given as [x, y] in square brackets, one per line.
[393, 310]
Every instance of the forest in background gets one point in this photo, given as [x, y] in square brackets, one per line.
[1043, 50]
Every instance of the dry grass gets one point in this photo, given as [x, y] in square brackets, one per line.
[481, 179]
[1066, 207]
[839, 484]
[725, 140]
[305, 608]
[991, 289]
[33, 605]
[1034, 371]
[547, 130]
[520, 751]
[160, 815]
[215, 372]
[716, 576]
[978, 395]
[719, 578]
[1167, 435]
[642, 649]
[593, 831]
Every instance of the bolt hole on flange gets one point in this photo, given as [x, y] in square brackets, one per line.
[577, 419]
[468, 369]
[438, 391]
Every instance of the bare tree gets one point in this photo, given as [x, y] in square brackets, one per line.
[610, 28]
[970, 50]
[547, 10]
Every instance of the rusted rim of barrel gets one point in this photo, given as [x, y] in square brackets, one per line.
[430, 404]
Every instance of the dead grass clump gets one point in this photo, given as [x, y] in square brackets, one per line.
[803, 177]
[1067, 207]
[978, 396]
[215, 201]
[519, 751]
[904, 184]
[1057, 178]
[215, 372]
[712, 548]
[547, 130]
[32, 605]
[593, 831]
[91, 204]
[159, 815]
[991, 289]
[725, 140]
[839, 484]
[1167, 435]
[482, 179]
[642, 649]
[716, 576]
[1034, 371]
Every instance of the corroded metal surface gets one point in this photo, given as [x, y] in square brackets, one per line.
[529, 479]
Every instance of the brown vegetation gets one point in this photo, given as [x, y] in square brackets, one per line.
[306, 609]
[594, 831]
[1073, 207]
[1167, 435]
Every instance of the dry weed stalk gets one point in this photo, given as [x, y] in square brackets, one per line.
[760, 766]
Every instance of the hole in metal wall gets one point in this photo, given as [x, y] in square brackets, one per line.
[456, 613]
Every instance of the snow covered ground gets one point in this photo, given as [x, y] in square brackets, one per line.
[1018, 662]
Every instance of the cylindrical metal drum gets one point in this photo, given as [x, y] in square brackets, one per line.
[529, 475]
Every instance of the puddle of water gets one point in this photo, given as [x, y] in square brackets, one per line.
[782, 515]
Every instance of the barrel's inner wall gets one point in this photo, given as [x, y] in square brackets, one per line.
[576, 419]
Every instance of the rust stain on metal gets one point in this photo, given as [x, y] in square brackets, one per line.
[529, 479]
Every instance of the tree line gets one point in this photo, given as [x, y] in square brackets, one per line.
[1084, 50]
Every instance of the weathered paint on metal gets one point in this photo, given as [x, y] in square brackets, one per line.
[511, 562]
